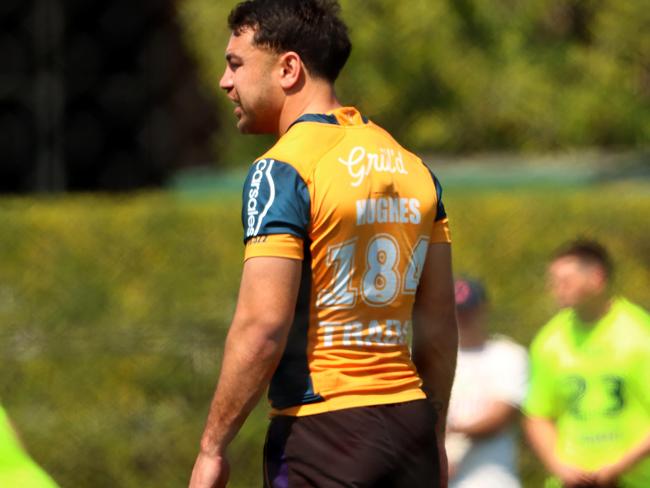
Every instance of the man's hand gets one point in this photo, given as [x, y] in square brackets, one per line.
[497, 416]
[607, 476]
[572, 477]
[210, 471]
[542, 435]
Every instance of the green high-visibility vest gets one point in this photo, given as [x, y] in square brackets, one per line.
[17, 469]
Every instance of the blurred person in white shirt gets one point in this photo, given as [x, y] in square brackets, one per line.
[489, 387]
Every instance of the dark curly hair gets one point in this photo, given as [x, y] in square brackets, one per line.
[311, 28]
[588, 251]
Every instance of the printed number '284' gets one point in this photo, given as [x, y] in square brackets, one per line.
[381, 281]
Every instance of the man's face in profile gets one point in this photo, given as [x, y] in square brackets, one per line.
[250, 83]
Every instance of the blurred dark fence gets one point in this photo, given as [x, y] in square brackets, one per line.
[97, 95]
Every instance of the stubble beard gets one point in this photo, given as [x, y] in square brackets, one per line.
[259, 113]
[257, 120]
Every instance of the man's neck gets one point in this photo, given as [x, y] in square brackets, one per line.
[315, 97]
[593, 310]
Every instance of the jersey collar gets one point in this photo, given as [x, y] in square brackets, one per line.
[345, 116]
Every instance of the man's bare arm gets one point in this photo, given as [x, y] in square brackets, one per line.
[610, 474]
[435, 332]
[254, 346]
[496, 417]
[542, 436]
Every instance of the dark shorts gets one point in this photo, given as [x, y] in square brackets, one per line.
[381, 446]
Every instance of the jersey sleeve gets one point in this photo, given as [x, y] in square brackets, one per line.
[275, 245]
[440, 231]
[540, 399]
[275, 211]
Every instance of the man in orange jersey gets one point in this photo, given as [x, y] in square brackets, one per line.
[347, 250]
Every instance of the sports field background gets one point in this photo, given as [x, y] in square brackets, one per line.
[115, 309]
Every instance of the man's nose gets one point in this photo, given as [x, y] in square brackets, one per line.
[225, 83]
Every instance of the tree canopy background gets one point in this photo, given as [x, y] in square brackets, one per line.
[471, 76]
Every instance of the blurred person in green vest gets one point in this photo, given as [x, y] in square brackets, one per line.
[588, 405]
[17, 469]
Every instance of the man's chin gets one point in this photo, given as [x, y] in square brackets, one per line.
[568, 303]
[245, 127]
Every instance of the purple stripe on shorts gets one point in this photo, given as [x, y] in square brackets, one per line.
[280, 479]
[277, 468]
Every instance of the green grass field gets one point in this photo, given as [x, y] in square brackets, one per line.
[113, 312]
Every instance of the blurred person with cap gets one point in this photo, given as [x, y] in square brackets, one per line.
[489, 387]
[588, 407]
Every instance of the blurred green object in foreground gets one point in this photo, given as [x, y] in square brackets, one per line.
[17, 469]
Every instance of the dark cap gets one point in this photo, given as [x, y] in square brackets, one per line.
[470, 293]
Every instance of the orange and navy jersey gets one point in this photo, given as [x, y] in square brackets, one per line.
[340, 194]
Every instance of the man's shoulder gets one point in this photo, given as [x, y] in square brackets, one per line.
[304, 145]
[309, 142]
[505, 355]
[632, 314]
[629, 327]
[555, 332]
[380, 133]
[504, 345]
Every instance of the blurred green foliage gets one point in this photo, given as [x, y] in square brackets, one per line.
[113, 314]
[470, 75]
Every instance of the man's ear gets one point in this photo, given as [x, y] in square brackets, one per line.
[291, 69]
[600, 278]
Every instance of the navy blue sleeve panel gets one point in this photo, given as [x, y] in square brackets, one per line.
[440, 210]
[441, 213]
[275, 201]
